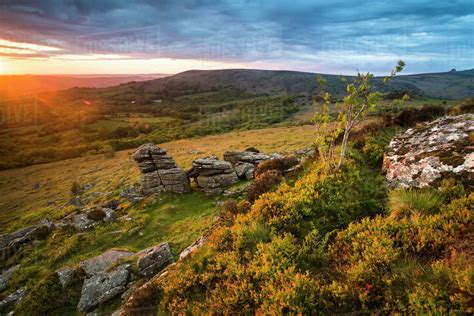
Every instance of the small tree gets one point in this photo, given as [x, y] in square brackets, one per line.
[359, 101]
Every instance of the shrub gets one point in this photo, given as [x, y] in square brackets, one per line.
[279, 164]
[252, 149]
[467, 106]
[263, 183]
[374, 149]
[76, 188]
[108, 151]
[322, 201]
[49, 298]
[406, 202]
[411, 116]
[451, 189]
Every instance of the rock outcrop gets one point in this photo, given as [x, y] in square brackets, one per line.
[103, 281]
[10, 300]
[102, 262]
[5, 277]
[159, 171]
[426, 154]
[213, 176]
[11, 243]
[244, 162]
[154, 259]
[102, 287]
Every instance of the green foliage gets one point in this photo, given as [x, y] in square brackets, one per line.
[410, 116]
[451, 189]
[49, 298]
[107, 151]
[466, 106]
[407, 202]
[322, 200]
[264, 183]
[360, 100]
[285, 256]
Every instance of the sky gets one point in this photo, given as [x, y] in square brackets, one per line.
[153, 36]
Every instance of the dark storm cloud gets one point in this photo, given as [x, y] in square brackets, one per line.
[334, 35]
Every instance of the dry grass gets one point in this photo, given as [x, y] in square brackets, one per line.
[23, 202]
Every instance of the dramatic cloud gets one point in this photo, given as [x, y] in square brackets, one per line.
[327, 36]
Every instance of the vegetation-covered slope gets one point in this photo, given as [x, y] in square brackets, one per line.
[330, 243]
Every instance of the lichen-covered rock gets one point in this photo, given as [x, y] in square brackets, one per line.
[154, 259]
[245, 162]
[245, 156]
[424, 155]
[66, 276]
[131, 193]
[244, 170]
[159, 171]
[104, 261]
[213, 176]
[102, 287]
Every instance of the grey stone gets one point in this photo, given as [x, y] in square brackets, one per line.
[75, 201]
[244, 170]
[150, 180]
[102, 287]
[131, 193]
[66, 276]
[6, 275]
[159, 171]
[245, 156]
[11, 243]
[146, 166]
[109, 215]
[87, 186]
[104, 261]
[154, 259]
[11, 299]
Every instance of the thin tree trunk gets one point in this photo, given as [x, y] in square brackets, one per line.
[343, 147]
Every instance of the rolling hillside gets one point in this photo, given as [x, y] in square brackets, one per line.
[452, 85]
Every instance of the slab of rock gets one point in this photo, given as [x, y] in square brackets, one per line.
[427, 154]
[6, 275]
[11, 243]
[104, 261]
[244, 170]
[131, 193]
[154, 259]
[159, 171]
[245, 156]
[245, 162]
[66, 276]
[213, 176]
[11, 299]
[102, 287]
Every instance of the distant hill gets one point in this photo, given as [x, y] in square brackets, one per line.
[16, 85]
[450, 85]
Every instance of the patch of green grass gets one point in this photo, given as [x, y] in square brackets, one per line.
[175, 218]
[406, 202]
[109, 124]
